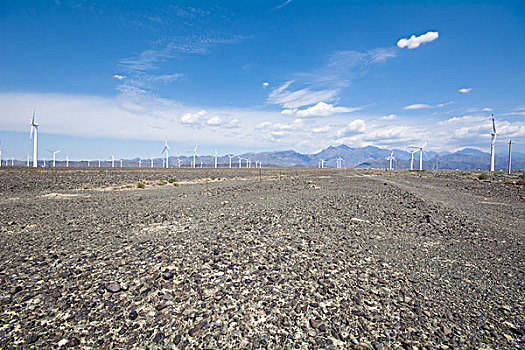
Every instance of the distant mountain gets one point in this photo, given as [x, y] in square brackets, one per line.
[361, 157]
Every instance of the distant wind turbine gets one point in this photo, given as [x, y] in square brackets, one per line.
[493, 144]
[166, 149]
[195, 156]
[322, 161]
[54, 155]
[240, 162]
[216, 156]
[231, 160]
[339, 161]
[420, 149]
[67, 161]
[1, 155]
[34, 129]
[391, 158]
[412, 158]
[112, 161]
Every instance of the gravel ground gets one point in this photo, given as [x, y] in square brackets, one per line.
[310, 259]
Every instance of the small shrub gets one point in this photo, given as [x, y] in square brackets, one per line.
[522, 176]
[483, 177]
[162, 182]
[508, 183]
[520, 182]
[140, 185]
[172, 180]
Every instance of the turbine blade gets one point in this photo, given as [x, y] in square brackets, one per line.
[493, 124]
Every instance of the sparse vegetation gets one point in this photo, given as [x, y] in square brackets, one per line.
[172, 180]
[212, 177]
[140, 185]
[522, 176]
[162, 183]
[483, 177]
[520, 182]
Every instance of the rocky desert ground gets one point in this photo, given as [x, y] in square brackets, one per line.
[252, 259]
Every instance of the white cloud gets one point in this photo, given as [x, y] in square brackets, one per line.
[417, 106]
[465, 90]
[265, 84]
[192, 118]
[389, 117]
[234, 123]
[214, 121]
[354, 127]
[119, 77]
[289, 111]
[323, 109]
[282, 5]
[486, 109]
[303, 97]
[263, 125]
[321, 130]
[415, 41]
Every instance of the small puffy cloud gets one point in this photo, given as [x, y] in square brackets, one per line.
[417, 106]
[288, 111]
[486, 109]
[354, 127]
[415, 41]
[119, 77]
[265, 84]
[193, 118]
[263, 125]
[465, 90]
[323, 109]
[214, 121]
[234, 123]
[389, 117]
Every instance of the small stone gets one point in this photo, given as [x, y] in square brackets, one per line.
[429, 219]
[15, 290]
[113, 287]
[62, 342]
[168, 275]
[314, 323]
[72, 342]
[33, 338]
[177, 339]
[285, 322]
[133, 315]
[377, 346]
[354, 341]
[194, 332]
[159, 338]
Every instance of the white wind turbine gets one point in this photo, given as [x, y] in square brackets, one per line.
[339, 161]
[88, 163]
[112, 161]
[34, 129]
[67, 161]
[240, 162]
[179, 161]
[420, 149]
[99, 162]
[1, 155]
[121, 163]
[195, 156]
[152, 162]
[140, 163]
[231, 160]
[54, 155]
[216, 156]
[166, 149]
[322, 161]
[391, 158]
[493, 144]
[412, 158]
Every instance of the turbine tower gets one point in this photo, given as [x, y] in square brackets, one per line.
[112, 161]
[67, 161]
[322, 161]
[216, 156]
[492, 144]
[166, 149]
[339, 161]
[195, 156]
[34, 129]
[27, 156]
[240, 162]
[231, 160]
[412, 158]
[391, 158]
[54, 155]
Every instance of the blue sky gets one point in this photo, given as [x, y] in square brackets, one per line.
[119, 77]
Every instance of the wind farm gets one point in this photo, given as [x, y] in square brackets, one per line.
[276, 174]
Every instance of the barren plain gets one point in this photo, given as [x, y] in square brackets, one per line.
[251, 259]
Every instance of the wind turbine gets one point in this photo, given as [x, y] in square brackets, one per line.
[240, 162]
[27, 158]
[54, 155]
[231, 160]
[152, 162]
[322, 161]
[492, 144]
[140, 163]
[34, 129]
[121, 163]
[412, 158]
[391, 158]
[88, 163]
[216, 156]
[99, 162]
[166, 149]
[339, 161]
[179, 161]
[67, 161]
[195, 156]
[420, 154]
[112, 161]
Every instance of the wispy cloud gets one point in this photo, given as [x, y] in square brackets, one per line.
[119, 77]
[465, 90]
[289, 98]
[415, 41]
[282, 5]
[426, 106]
[389, 117]
[321, 109]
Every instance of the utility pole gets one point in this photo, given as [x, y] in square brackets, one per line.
[510, 149]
